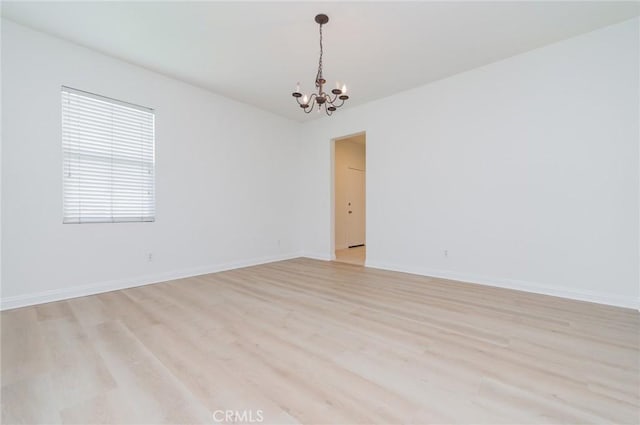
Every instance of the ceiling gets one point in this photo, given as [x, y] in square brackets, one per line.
[256, 52]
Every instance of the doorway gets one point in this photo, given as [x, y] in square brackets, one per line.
[350, 199]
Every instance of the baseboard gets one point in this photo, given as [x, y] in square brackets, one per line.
[519, 285]
[318, 256]
[7, 303]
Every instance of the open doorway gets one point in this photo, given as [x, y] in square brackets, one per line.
[350, 199]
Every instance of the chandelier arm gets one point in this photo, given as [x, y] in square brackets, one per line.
[312, 103]
[331, 101]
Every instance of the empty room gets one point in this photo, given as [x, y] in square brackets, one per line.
[320, 212]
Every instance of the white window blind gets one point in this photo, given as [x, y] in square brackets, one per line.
[108, 149]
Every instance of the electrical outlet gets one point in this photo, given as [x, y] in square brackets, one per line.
[150, 257]
[446, 252]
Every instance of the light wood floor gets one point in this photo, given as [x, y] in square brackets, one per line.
[355, 255]
[306, 341]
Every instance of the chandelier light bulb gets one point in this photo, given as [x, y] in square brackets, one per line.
[344, 88]
[305, 99]
[298, 87]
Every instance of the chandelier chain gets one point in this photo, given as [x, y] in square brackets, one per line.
[319, 74]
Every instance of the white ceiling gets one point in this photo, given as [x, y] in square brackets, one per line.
[256, 52]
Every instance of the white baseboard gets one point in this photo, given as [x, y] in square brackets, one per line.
[17, 301]
[519, 285]
[318, 256]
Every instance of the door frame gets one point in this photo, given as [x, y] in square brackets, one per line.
[332, 189]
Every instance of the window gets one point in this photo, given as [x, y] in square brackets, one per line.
[108, 149]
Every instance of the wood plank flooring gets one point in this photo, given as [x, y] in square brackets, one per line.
[305, 341]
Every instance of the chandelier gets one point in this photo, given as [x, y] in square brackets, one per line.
[322, 99]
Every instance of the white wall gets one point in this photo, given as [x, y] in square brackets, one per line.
[525, 171]
[349, 153]
[226, 178]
